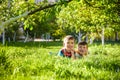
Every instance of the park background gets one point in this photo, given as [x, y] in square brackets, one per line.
[32, 32]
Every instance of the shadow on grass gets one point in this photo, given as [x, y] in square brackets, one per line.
[34, 44]
[106, 42]
[45, 44]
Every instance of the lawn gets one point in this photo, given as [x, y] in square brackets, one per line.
[32, 61]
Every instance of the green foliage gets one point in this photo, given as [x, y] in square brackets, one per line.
[31, 61]
[90, 16]
[80, 15]
[38, 23]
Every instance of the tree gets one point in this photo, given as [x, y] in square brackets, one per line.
[4, 23]
[90, 16]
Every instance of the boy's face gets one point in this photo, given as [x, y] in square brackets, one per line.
[69, 44]
[83, 49]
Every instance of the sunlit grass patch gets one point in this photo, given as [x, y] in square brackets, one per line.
[32, 61]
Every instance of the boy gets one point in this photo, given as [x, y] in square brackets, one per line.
[82, 49]
[68, 47]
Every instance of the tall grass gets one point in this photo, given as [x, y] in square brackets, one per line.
[32, 61]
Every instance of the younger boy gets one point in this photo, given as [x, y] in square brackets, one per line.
[68, 47]
[82, 49]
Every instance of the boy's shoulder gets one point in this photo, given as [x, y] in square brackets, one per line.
[77, 54]
[61, 52]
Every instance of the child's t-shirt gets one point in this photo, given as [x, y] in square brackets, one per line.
[78, 55]
[64, 53]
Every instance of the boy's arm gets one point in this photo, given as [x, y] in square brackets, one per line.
[60, 53]
[73, 54]
[78, 56]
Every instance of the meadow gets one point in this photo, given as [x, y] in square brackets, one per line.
[33, 61]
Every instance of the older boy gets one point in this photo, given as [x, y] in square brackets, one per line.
[68, 47]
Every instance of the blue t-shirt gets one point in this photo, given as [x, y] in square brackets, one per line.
[64, 53]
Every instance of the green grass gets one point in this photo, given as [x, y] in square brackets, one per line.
[31, 61]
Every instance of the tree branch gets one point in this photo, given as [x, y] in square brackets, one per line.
[4, 24]
[48, 6]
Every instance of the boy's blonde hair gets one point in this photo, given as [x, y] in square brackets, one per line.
[68, 37]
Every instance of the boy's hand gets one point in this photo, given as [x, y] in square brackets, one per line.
[73, 53]
[72, 50]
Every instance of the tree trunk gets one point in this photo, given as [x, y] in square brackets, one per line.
[3, 38]
[87, 38]
[102, 36]
[9, 39]
[34, 36]
[91, 40]
[37, 1]
[47, 37]
[79, 36]
[116, 36]
[26, 37]
[14, 37]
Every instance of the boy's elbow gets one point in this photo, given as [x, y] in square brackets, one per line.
[60, 55]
